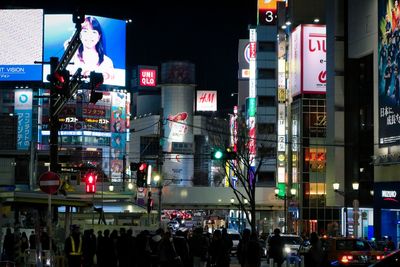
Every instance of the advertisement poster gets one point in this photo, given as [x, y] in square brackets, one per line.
[388, 72]
[118, 134]
[23, 109]
[178, 169]
[21, 44]
[102, 49]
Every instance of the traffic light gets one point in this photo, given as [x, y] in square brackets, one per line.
[134, 166]
[60, 82]
[96, 80]
[141, 174]
[90, 179]
[223, 154]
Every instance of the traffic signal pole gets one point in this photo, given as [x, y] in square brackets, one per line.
[159, 164]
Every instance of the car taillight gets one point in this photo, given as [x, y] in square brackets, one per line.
[346, 258]
[380, 257]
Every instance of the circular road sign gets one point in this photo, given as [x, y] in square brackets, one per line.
[49, 182]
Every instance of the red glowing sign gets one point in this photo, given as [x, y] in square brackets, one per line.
[148, 77]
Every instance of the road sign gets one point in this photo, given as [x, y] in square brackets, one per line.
[49, 182]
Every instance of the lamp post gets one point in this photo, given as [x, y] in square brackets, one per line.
[355, 186]
[285, 197]
[157, 179]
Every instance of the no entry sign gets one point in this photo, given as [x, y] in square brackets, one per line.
[49, 182]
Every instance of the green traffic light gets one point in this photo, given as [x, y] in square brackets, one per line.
[218, 154]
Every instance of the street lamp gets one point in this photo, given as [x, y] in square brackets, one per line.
[285, 199]
[157, 179]
[355, 185]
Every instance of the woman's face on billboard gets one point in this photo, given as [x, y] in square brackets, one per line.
[89, 36]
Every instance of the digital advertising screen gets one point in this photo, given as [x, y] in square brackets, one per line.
[21, 44]
[102, 50]
[388, 72]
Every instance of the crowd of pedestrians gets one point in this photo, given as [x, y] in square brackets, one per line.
[160, 249]
[16, 243]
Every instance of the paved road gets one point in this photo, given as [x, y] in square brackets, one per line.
[235, 263]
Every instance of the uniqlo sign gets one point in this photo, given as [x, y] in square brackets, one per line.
[148, 77]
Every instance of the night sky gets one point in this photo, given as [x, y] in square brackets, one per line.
[203, 32]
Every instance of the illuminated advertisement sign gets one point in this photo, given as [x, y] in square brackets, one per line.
[388, 73]
[307, 70]
[21, 44]
[178, 110]
[267, 12]
[148, 77]
[251, 100]
[178, 169]
[102, 49]
[118, 136]
[23, 109]
[206, 101]
[244, 59]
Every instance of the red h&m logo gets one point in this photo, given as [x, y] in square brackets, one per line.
[147, 77]
[207, 98]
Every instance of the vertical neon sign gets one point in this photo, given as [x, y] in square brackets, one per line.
[251, 101]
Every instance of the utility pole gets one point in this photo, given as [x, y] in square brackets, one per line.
[160, 160]
[123, 172]
[61, 89]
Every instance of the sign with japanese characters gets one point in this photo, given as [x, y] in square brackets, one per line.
[388, 73]
[23, 109]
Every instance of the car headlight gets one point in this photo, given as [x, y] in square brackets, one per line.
[286, 250]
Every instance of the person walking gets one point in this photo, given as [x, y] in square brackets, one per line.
[253, 252]
[73, 247]
[275, 250]
[198, 247]
[242, 247]
[315, 255]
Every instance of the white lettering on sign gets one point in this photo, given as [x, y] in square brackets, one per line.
[386, 193]
[148, 77]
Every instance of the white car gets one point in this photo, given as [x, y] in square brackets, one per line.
[291, 247]
[174, 225]
[235, 236]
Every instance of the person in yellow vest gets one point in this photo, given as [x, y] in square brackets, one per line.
[73, 247]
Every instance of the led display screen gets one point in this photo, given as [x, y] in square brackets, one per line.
[21, 44]
[102, 49]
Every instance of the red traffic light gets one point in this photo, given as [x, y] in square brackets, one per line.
[142, 166]
[90, 179]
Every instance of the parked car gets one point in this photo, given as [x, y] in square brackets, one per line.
[291, 247]
[348, 251]
[390, 260]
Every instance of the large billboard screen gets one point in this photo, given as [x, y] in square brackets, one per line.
[307, 70]
[21, 44]
[102, 49]
[388, 69]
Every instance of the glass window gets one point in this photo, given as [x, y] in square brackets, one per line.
[266, 46]
[266, 101]
[266, 74]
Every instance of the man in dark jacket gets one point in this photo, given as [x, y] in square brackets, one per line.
[275, 250]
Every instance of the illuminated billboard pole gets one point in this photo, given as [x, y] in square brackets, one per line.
[251, 101]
